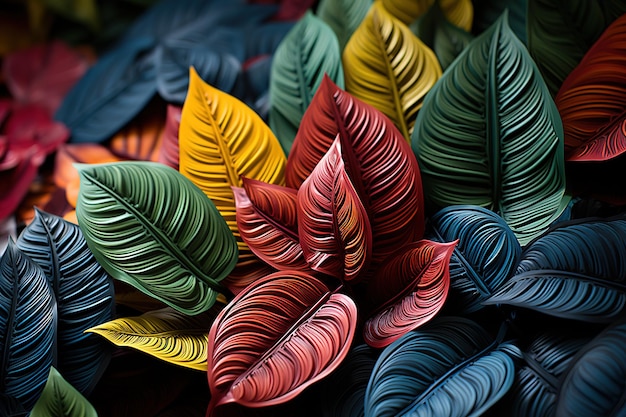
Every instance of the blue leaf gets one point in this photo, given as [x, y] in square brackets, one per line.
[576, 271]
[264, 39]
[486, 255]
[84, 294]
[450, 367]
[28, 317]
[595, 384]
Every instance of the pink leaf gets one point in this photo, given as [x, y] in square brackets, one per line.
[168, 154]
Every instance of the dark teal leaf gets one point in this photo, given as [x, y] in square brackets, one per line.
[486, 12]
[84, 294]
[487, 253]
[451, 366]
[343, 16]
[264, 39]
[10, 407]
[28, 319]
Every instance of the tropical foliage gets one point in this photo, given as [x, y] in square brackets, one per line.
[318, 208]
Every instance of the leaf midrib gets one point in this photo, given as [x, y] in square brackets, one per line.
[7, 342]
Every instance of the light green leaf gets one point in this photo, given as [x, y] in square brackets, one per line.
[60, 399]
[309, 51]
[490, 135]
[343, 16]
[151, 227]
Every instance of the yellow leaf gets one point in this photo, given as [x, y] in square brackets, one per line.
[458, 12]
[222, 140]
[165, 334]
[387, 66]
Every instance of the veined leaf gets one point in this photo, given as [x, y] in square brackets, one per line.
[335, 233]
[450, 367]
[591, 100]
[560, 33]
[276, 338]
[28, 319]
[309, 51]
[390, 68]
[268, 223]
[489, 135]
[576, 271]
[150, 227]
[168, 154]
[409, 290]
[83, 291]
[377, 159]
[140, 140]
[10, 406]
[343, 16]
[222, 140]
[165, 334]
[595, 383]
[60, 399]
[487, 253]
[459, 12]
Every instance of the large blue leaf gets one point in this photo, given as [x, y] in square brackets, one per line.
[84, 294]
[576, 271]
[450, 367]
[487, 253]
[28, 318]
[595, 384]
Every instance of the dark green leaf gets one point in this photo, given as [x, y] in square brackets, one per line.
[60, 399]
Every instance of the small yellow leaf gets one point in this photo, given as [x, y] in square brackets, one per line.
[458, 12]
[388, 67]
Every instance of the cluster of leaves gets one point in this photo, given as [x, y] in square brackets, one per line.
[361, 209]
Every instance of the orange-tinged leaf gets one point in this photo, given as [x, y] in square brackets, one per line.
[140, 140]
[222, 140]
[592, 99]
[459, 12]
[84, 153]
[410, 289]
[335, 232]
[276, 338]
[168, 154]
[387, 66]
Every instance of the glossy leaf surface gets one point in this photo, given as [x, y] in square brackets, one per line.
[28, 318]
[390, 68]
[60, 399]
[409, 290]
[222, 140]
[168, 154]
[165, 334]
[309, 51]
[150, 227]
[591, 100]
[268, 223]
[576, 271]
[489, 135]
[343, 16]
[83, 291]
[334, 229]
[452, 367]
[276, 338]
[487, 253]
[377, 159]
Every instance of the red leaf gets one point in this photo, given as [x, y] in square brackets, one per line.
[411, 288]
[43, 74]
[378, 160]
[276, 338]
[267, 222]
[592, 99]
[14, 182]
[168, 154]
[293, 9]
[246, 273]
[334, 229]
[32, 125]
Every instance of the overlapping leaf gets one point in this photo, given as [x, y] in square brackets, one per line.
[334, 229]
[450, 367]
[592, 102]
[576, 271]
[487, 253]
[168, 154]
[28, 315]
[268, 224]
[377, 159]
[60, 399]
[309, 51]
[343, 16]
[150, 227]
[390, 68]
[489, 135]
[409, 290]
[221, 140]
[458, 12]
[276, 338]
[486, 12]
[165, 334]
[83, 291]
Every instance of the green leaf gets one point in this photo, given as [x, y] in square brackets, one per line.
[343, 16]
[60, 399]
[309, 51]
[152, 228]
[490, 135]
